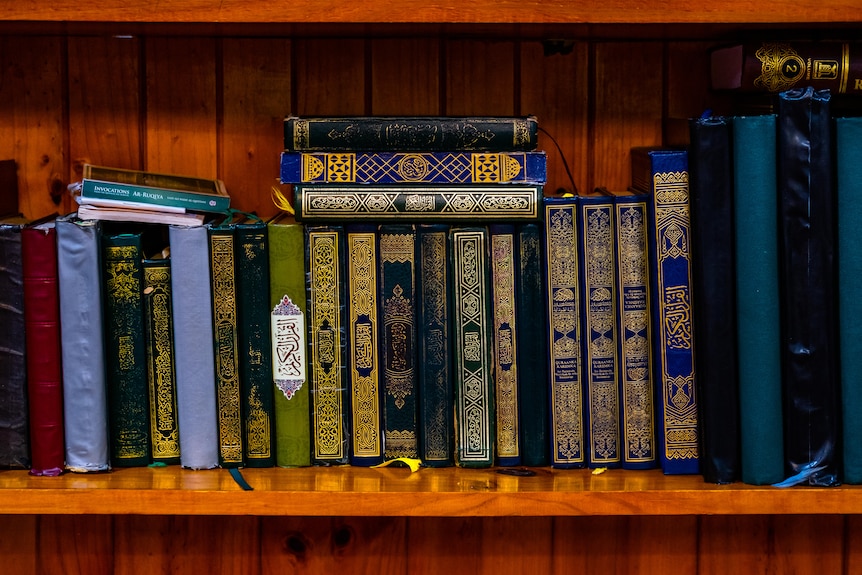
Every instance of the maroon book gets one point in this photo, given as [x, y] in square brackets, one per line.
[42, 328]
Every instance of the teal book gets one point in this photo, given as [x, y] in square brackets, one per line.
[565, 363]
[472, 342]
[761, 424]
[504, 311]
[364, 324]
[413, 203]
[637, 394]
[434, 334]
[410, 133]
[125, 349]
[398, 317]
[597, 266]
[455, 167]
[287, 292]
[848, 133]
[255, 344]
[531, 316]
[663, 173]
[161, 359]
[327, 345]
[223, 284]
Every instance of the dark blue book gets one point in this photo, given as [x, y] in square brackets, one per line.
[597, 266]
[664, 174]
[327, 345]
[434, 334]
[398, 315]
[375, 167]
[363, 336]
[565, 365]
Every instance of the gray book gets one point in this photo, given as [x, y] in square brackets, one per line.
[195, 356]
[85, 408]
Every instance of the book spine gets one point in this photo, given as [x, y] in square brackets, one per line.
[758, 295]
[456, 167]
[85, 399]
[255, 345]
[287, 293]
[191, 201]
[397, 303]
[42, 333]
[473, 371]
[436, 405]
[504, 266]
[809, 320]
[416, 203]
[364, 323]
[327, 345]
[673, 355]
[192, 310]
[565, 363]
[222, 244]
[410, 133]
[128, 394]
[713, 281]
[598, 317]
[161, 369]
[14, 414]
[775, 67]
[848, 145]
[637, 394]
[532, 318]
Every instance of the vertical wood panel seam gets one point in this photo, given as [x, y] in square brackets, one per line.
[219, 111]
[142, 102]
[368, 79]
[442, 62]
[592, 87]
[65, 159]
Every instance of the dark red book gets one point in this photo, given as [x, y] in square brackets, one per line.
[42, 329]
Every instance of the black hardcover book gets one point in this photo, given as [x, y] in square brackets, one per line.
[713, 279]
[436, 401]
[410, 133]
[808, 301]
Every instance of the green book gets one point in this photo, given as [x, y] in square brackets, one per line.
[473, 372]
[255, 345]
[223, 284]
[125, 347]
[115, 186]
[289, 352]
[161, 372]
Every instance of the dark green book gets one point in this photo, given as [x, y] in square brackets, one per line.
[397, 305]
[363, 334]
[504, 274]
[327, 345]
[255, 341]
[434, 334]
[161, 372]
[222, 251]
[125, 348]
[473, 372]
[532, 340]
[287, 292]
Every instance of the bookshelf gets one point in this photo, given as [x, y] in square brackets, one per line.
[201, 87]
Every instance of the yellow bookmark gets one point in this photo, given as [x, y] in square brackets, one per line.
[413, 464]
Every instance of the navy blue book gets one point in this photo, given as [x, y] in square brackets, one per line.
[436, 400]
[664, 174]
[565, 364]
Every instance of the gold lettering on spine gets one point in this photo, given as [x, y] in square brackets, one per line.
[363, 321]
[672, 221]
[326, 368]
[637, 389]
[227, 360]
[600, 328]
[505, 368]
[162, 382]
[564, 344]
[433, 274]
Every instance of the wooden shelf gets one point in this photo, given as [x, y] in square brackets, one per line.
[450, 11]
[455, 492]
